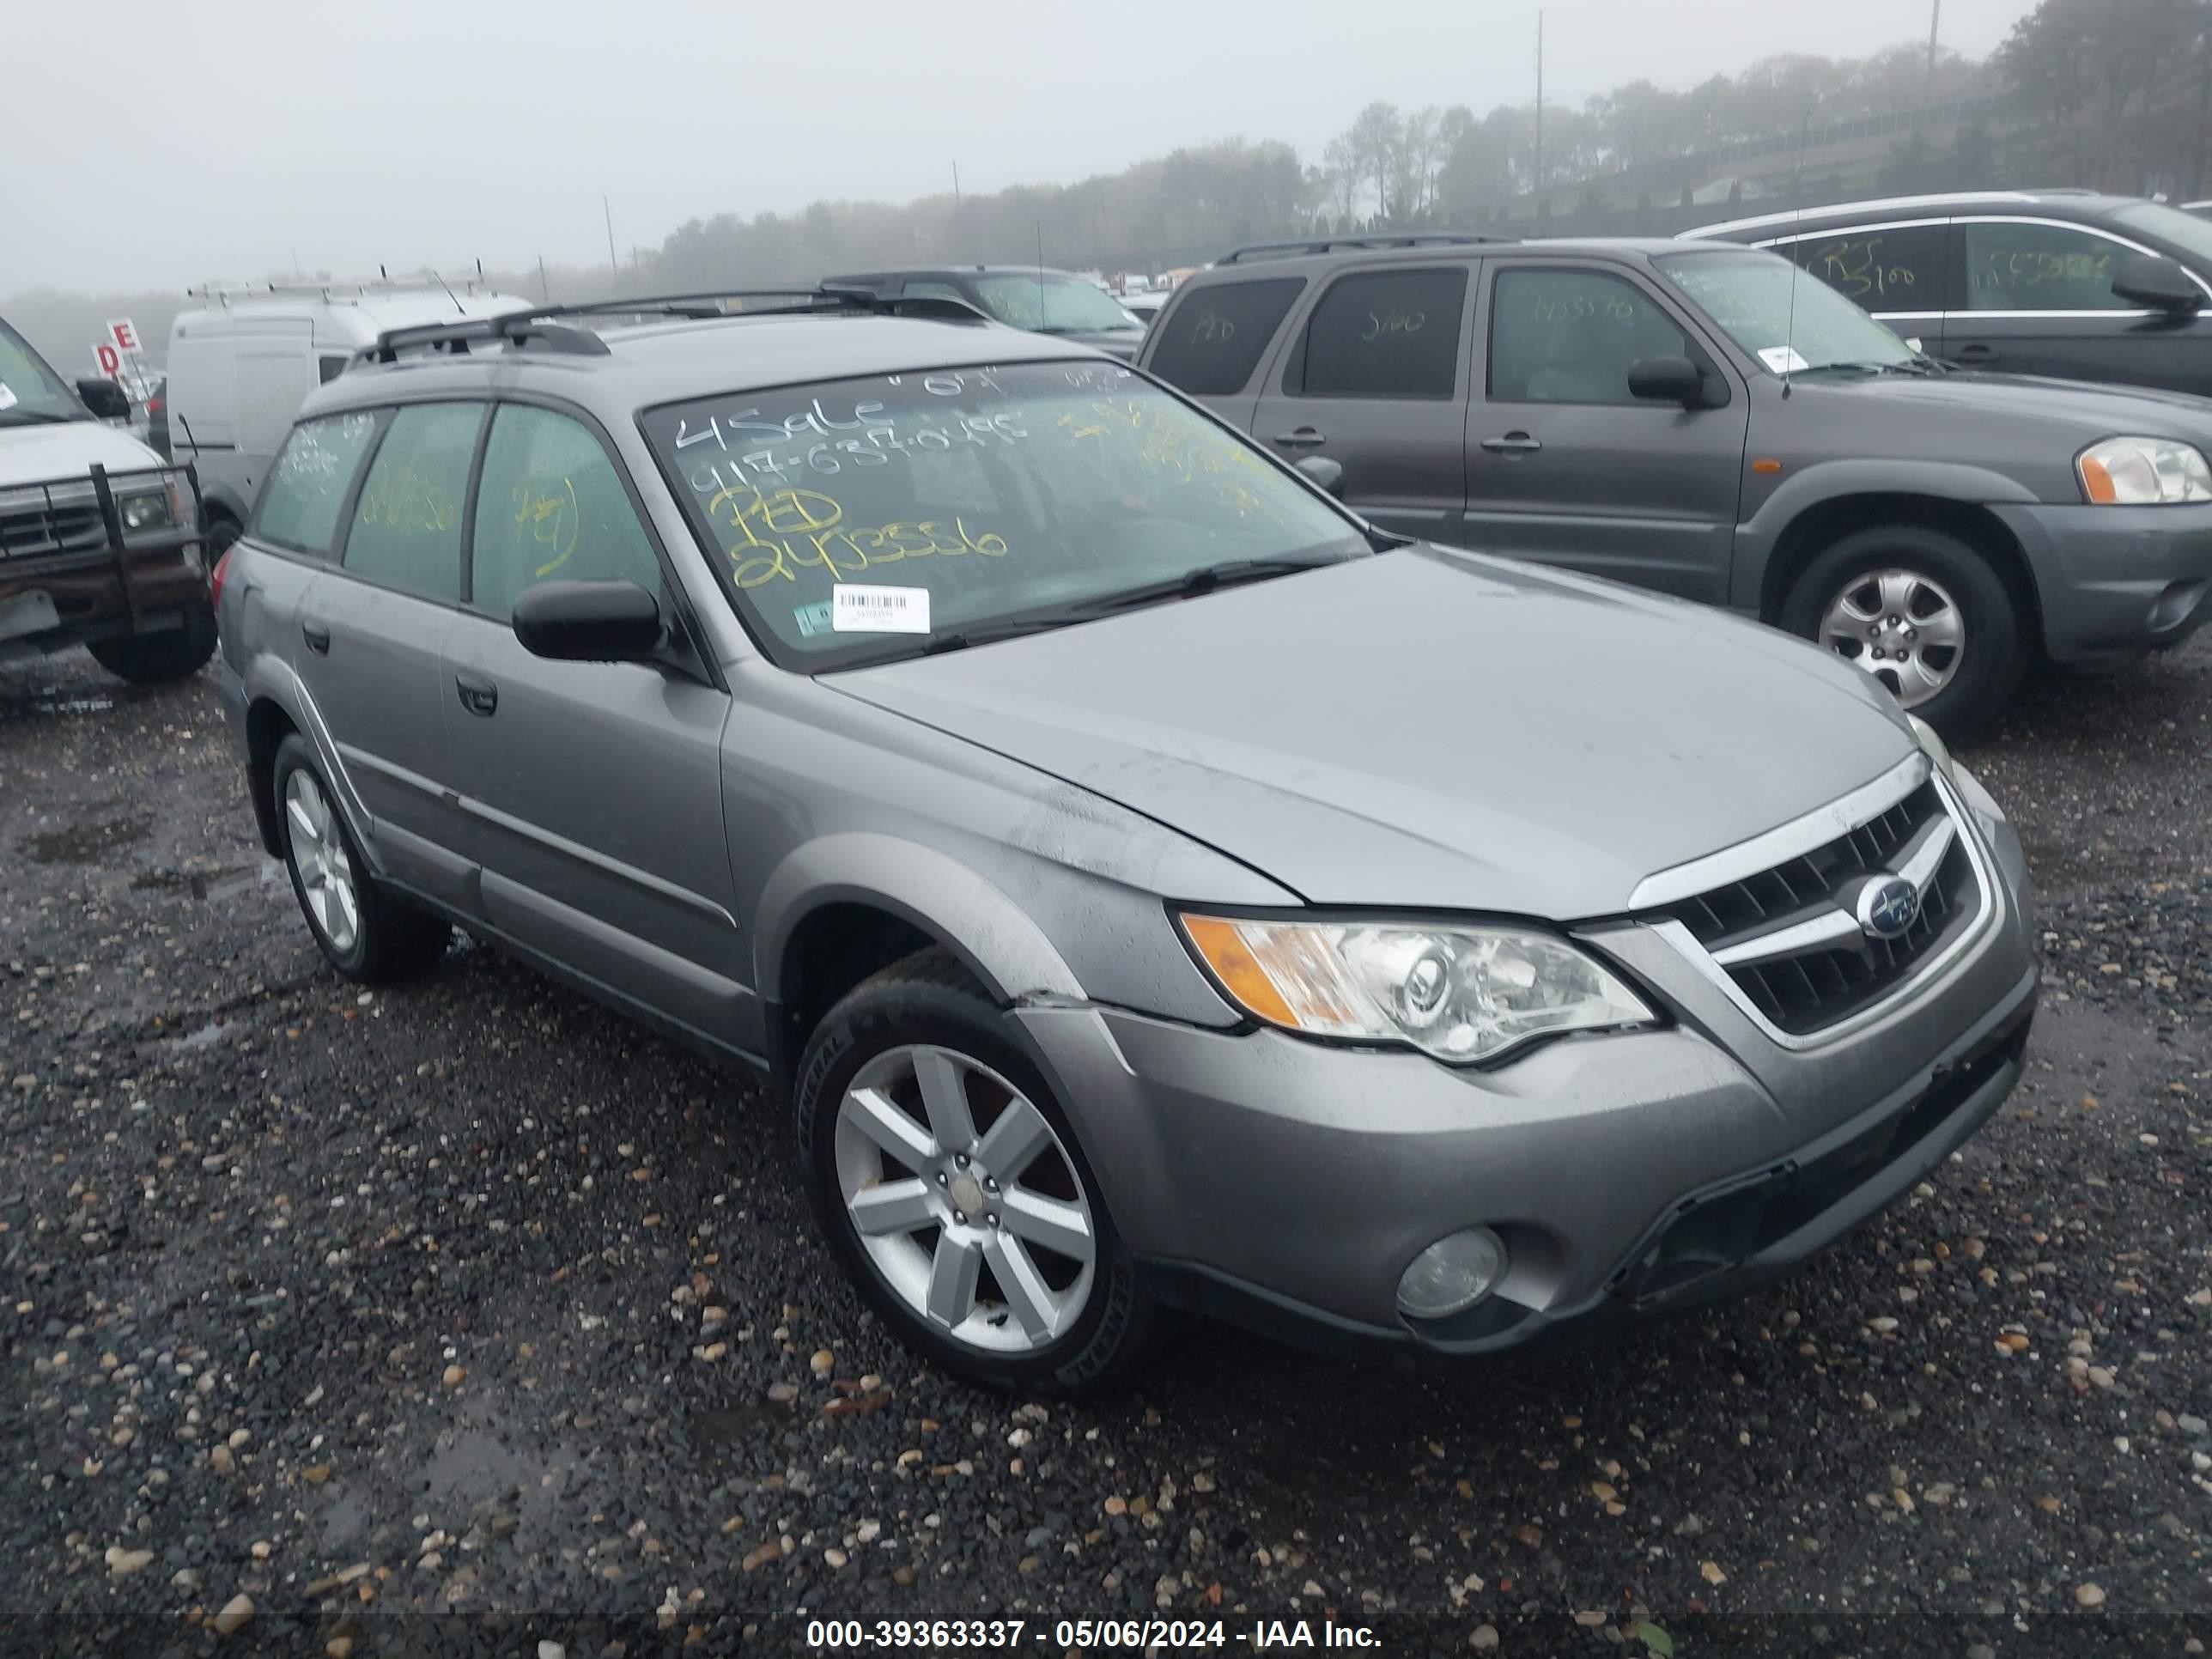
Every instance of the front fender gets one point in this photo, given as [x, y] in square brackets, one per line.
[1828, 480]
[992, 935]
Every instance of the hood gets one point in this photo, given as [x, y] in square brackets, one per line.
[1426, 730]
[51, 454]
[2074, 407]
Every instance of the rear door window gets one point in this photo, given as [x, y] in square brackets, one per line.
[1383, 334]
[1215, 338]
[406, 529]
[1882, 268]
[2016, 267]
[307, 488]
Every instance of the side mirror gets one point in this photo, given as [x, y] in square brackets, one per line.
[1667, 380]
[1323, 472]
[106, 400]
[2157, 284]
[588, 621]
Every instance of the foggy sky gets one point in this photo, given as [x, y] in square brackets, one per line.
[147, 144]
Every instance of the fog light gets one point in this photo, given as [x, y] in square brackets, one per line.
[1452, 1274]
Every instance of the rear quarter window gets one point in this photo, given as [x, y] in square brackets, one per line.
[307, 486]
[1214, 338]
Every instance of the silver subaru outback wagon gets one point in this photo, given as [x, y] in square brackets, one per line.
[1152, 886]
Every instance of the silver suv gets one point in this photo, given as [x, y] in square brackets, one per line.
[1150, 884]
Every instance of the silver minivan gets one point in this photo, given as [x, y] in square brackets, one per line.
[1150, 884]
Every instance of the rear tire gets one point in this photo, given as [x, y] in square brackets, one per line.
[1901, 589]
[875, 1043]
[158, 658]
[368, 934]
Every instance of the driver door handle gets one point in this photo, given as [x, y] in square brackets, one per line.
[1977, 353]
[478, 695]
[316, 636]
[1305, 438]
[1512, 442]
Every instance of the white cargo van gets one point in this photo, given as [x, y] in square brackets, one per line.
[240, 363]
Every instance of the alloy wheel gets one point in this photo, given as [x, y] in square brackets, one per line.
[965, 1199]
[1902, 627]
[318, 854]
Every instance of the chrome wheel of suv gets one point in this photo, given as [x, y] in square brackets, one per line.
[965, 1199]
[1901, 627]
[326, 880]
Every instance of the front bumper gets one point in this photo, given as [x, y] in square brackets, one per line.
[68, 573]
[1291, 1183]
[2116, 581]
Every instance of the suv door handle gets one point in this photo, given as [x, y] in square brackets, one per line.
[1305, 438]
[478, 695]
[1512, 442]
[1977, 354]
[317, 635]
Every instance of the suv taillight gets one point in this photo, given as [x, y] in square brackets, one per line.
[215, 582]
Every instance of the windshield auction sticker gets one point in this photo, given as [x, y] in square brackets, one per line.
[858, 608]
[7, 397]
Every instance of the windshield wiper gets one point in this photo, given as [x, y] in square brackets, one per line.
[1912, 366]
[1204, 579]
[40, 417]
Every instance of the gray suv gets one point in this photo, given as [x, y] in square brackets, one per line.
[1707, 421]
[1150, 884]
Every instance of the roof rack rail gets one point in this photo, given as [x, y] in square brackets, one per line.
[539, 325]
[1292, 250]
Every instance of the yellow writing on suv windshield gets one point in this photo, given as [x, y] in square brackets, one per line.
[781, 533]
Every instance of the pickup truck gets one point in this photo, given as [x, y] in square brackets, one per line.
[100, 542]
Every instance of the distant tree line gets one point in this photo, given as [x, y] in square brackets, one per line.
[2114, 94]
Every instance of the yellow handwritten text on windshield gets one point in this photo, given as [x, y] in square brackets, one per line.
[778, 533]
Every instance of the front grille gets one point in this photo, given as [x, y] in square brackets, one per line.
[61, 527]
[1804, 988]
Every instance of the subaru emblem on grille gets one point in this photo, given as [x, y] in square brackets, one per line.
[1888, 908]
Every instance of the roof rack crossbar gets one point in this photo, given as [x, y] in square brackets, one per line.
[1292, 250]
[540, 325]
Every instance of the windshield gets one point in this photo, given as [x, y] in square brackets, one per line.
[1749, 295]
[29, 391]
[859, 519]
[1050, 303]
[2192, 234]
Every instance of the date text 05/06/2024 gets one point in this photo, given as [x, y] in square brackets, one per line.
[1138, 1635]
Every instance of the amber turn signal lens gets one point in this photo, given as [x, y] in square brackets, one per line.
[2097, 480]
[1222, 944]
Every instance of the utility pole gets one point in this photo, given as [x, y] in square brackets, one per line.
[955, 187]
[544, 289]
[1538, 177]
[613, 264]
[1935, 19]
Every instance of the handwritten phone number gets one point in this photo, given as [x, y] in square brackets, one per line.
[1139, 1634]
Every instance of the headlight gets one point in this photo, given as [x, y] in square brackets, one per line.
[2144, 472]
[1455, 994]
[1937, 750]
[147, 509]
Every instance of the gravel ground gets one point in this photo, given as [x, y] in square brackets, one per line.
[467, 1317]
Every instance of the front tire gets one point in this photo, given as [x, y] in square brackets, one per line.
[953, 1190]
[1922, 611]
[159, 658]
[368, 934]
